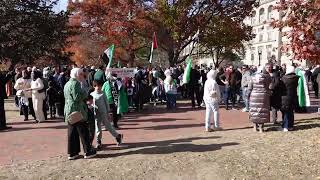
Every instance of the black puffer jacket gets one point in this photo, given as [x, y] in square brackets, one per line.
[278, 89]
[289, 100]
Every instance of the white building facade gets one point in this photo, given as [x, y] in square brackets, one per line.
[266, 46]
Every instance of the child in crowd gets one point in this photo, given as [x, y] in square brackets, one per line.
[52, 94]
[91, 118]
[101, 111]
[212, 98]
[170, 87]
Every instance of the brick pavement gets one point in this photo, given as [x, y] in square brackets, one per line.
[30, 141]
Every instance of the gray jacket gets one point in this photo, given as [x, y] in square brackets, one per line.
[246, 79]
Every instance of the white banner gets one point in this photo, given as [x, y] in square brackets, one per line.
[123, 72]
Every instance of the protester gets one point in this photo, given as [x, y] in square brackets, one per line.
[4, 78]
[101, 112]
[232, 80]
[38, 95]
[260, 99]
[52, 94]
[315, 85]
[277, 89]
[111, 92]
[245, 82]
[75, 102]
[170, 87]
[290, 79]
[25, 97]
[194, 86]
[220, 80]
[212, 98]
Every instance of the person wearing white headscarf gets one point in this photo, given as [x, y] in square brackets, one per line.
[212, 98]
[289, 100]
[38, 95]
[75, 99]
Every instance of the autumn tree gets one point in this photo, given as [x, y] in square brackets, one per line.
[30, 30]
[302, 18]
[119, 22]
[179, 21]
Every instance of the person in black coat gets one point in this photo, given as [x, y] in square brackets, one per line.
[290, 80]
[4, 78]
[194, 86]
[277, 88]
[315, 84]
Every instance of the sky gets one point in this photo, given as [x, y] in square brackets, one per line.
[61, 6]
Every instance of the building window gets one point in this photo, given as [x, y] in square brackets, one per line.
[270, 12]
[260, 37]
[270, 38]
[261, 15]
[253, 18]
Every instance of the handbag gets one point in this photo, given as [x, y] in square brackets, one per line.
[74, 117]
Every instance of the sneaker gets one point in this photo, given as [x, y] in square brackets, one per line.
[90, 154]
[73, 157]
[99, 146]
[285, 130]
[209, 130]
[217, 129]
[119, 139]
[245, 110]
[290, 129]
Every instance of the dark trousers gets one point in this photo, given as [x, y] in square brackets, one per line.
[288, 119]
[26, 110]
[229, 94]
[92, 131]
[52, 110]
[315, 88]
[75, 132]
[44, 109]
[171, 101]
[2, 115]
[115, 115]
[195, 90]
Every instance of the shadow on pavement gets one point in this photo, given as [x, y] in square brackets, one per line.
[168, 147]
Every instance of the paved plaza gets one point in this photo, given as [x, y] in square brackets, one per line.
[28, 141]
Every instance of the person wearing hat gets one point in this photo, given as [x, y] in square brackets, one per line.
[289, 100]
[211, 98]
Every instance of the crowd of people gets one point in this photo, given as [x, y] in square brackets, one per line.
[101, 98]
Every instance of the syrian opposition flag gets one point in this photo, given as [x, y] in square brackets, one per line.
[153, 46]
[187, 72]
[108, 55]
[303, 93]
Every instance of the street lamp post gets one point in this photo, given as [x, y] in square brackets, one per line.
[259, 53]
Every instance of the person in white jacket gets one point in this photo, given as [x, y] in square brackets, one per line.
[25, 98]
[211, 98]
[38, 95]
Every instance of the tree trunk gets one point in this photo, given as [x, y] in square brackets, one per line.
[131, 59]
[171, 56]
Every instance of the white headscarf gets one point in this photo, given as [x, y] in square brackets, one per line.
[75, 73]
[289, 70]
[212, 74]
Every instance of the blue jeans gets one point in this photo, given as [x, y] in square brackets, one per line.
[229, 93]
[171, 101]
[245, 97]
[288, 119]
